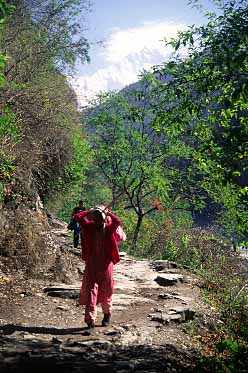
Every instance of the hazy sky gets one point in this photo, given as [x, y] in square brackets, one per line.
[131, 33]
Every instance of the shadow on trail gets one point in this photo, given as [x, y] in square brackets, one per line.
[18, 355]
[90, 355]
[11, 328]
[100, 359]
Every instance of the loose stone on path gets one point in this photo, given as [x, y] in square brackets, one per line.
[63, 291]
[169, 279]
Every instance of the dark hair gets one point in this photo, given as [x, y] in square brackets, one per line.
[98, 213]
[76, 209]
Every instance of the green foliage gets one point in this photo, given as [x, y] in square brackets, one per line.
[8, 128]
[237, 354]
[170, 251]
[82, 156]
[4, 12]
[228, 344]
[227, 289]
[180, 140]
[3, 60]
[231, 357]
[45, 32]
[129, 160]
[70, 187]
[202, 107]
[9, 132]
[40, 40]
[135, 163]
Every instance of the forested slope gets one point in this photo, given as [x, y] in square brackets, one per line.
[40, 134]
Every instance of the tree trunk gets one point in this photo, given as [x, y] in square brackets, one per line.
[136, 233]
[114, 194]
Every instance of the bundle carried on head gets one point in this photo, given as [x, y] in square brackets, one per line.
[102, 210]
[119, 234]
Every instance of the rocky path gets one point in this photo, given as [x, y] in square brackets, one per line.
[155, 303]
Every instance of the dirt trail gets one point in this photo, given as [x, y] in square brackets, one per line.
[41, 323]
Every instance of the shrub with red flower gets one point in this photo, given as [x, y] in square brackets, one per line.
[157, 204]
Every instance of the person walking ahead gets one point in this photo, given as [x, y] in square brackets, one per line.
[100, 253]
[74, 226]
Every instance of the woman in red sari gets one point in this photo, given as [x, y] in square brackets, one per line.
[100, 252]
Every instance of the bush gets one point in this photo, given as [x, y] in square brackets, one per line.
[25, 242]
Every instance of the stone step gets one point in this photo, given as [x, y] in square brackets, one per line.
[169, 279]
[175, 314]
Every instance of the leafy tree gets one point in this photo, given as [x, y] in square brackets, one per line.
[41, 40]
[4, 12]
[202, 102]
[44, 31]
[128, 155]
[65, 191]
[8, 128]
